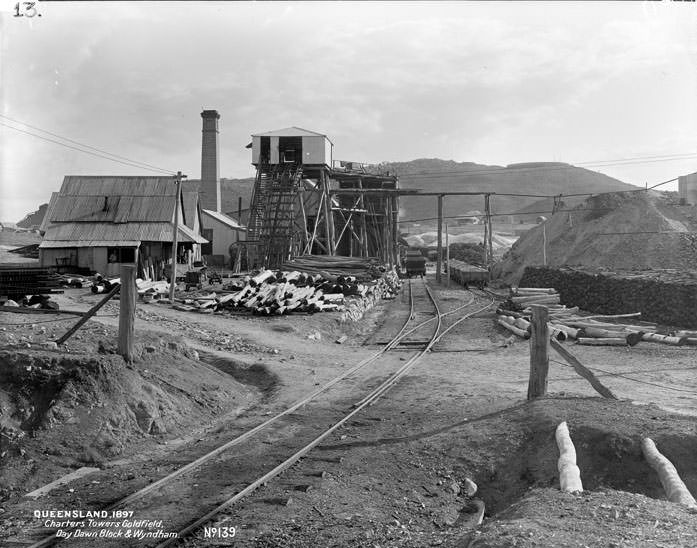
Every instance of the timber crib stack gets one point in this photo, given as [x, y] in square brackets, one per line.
[281, 292]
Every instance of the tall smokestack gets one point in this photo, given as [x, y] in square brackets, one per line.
[210, 163]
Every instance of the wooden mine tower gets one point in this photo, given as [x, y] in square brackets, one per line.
[301, 204]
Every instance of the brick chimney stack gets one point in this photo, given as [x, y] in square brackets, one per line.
[210, 162]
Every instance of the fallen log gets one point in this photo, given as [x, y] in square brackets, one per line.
[556, 333]
[615, 341]
[569, 472]
[513, 329]
[522, 290]
[632, 338]
[675, 489]
[536, 299]
[570, 332]
[664, 339]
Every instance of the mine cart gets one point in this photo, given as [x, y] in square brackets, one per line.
[415, 264]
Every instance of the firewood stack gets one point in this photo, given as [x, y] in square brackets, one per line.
[282, 292]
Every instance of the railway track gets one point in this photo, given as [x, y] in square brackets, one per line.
[290, 436]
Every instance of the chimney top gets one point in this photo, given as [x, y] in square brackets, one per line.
[210, 114]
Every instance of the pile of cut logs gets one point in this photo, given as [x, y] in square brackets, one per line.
[280, 292]
[566, 323]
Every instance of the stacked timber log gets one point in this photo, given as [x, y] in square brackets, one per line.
[665, 296]
[282, 292]
[361, 268]
[566, 323]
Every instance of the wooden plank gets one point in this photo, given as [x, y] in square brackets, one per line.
[582, 370]
[91, 312]
[539, 356]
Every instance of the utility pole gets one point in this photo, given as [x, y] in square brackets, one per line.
[439, 259]
[175, 235]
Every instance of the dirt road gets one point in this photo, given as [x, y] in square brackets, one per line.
[396, 474]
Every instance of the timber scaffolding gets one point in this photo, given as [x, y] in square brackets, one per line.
[298, 209]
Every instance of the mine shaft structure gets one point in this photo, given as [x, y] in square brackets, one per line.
[305, 203]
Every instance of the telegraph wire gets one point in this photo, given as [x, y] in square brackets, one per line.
[113, 157]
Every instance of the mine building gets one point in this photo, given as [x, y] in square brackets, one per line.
[306, 202]
[99, 223]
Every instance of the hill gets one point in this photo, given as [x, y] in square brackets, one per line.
[626, 231]
[539, 178]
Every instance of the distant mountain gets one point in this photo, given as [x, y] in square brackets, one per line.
[536, 178]
[432, 174]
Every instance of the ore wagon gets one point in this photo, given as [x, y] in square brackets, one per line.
[467, 274]
[415, 264]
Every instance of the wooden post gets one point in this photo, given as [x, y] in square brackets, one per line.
[175, 236]
[447, 256]
[539, 357]
[127, 312]
[439, 262]
[239, 217]
[544, 243]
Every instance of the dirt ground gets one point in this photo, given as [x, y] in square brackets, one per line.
[393, 476]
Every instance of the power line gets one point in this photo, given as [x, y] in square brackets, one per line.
[112, 157]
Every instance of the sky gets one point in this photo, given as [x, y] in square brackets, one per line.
[492, 82]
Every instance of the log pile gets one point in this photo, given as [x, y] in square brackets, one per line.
[363, 269]
[668, 297]
[566, 323]
[283, 292]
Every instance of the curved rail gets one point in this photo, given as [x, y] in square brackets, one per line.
[248, 434]
[374, 395]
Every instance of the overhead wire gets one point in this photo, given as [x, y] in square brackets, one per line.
[631, 379]
[100, 153]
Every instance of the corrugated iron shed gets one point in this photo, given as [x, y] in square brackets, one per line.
[140, 232]
[106, 211]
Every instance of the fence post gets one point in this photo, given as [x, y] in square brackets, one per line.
[539, 356]
[127, 312]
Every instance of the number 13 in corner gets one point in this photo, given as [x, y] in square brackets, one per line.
[26, 9]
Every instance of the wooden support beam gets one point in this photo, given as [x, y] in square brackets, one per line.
[91, 312]
[582, 370]
[127, 312]
[439, 260]
[539, 356]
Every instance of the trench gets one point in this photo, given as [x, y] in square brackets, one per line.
[606, 460]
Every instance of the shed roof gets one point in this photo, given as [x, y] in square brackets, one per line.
[221, 217]
[293, 131]
[114, 209]
[77, 234]
[94, 185]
